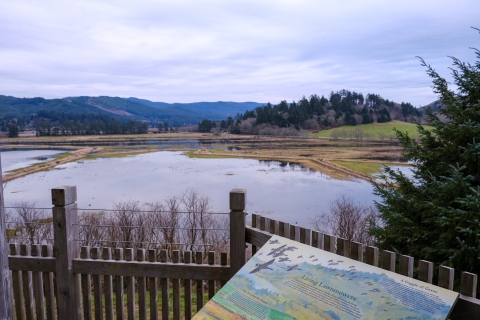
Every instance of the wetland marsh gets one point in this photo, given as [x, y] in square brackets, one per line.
[288, 179]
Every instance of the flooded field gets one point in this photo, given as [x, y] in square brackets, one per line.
[15, 159]
[282, 190]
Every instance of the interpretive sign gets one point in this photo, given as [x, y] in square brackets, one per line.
[290, 280]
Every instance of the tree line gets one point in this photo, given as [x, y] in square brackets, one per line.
[340, 108]
[53, 123]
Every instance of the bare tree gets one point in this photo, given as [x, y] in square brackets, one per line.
[171, 221]
[124, 218]
[189, 200]
[347, 219]
[92, 231]
[178, 223]
[32, 224]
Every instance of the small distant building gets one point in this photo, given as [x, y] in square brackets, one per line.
[153, 130]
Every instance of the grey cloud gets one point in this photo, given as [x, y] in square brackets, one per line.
[185, 51]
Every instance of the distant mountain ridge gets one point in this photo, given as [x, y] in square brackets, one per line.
[177, 114]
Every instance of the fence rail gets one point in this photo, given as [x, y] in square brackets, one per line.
[69, 281]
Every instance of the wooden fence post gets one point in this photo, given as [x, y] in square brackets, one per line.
[406, 266]
[237, 230]
[6, 302]
[388, 260]
[66, 246]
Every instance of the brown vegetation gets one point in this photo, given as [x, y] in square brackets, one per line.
[183, 223]
[347, 220]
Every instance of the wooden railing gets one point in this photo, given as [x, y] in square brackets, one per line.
[66, 281]
[467, 307]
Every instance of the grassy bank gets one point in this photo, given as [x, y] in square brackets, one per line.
[376, 130]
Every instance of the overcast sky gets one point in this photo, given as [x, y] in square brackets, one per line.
[189, 51]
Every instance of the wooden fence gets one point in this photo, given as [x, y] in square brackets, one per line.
[66, 281]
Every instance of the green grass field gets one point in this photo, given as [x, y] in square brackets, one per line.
[378, 130]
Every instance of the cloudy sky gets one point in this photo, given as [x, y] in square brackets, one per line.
[262, 50]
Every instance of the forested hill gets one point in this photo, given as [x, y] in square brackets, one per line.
[122, 109]
[217, 110]
[340, 108]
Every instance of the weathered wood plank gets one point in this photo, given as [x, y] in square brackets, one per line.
[445, 277]
[27, 286]
[425, 271]
[238, 198]
[388, 260]
[273, 226]
[17, 284]
[176, 287]
[223, 262]
[65, 229]
[256, 237]
[254, 220]
[119, 304]
[305, 236]
[466, 308]
[47, 252]
[211, 283]
[372, 256]
[152, 287]
[284, 229]
[468, 284]
[130, 280]
[64, 196]
[294, 233]
[38, 286]
[187, 283]
[164, 285]
[406, 266]
[78, 294]
[6, 301]
[97, 287]
[254, 225]
[86, 286]
[329, 243]
[142, 289]
[343, 247]
[108, 286]
[200, 302]
[356, 251]
[262, 223]
[36, 264]
[317, 239]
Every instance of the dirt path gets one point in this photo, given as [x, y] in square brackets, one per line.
[75, 155]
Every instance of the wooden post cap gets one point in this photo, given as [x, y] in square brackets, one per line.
[238, 198]
[63, 196]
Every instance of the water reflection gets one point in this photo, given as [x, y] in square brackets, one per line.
[19, 158]
[282, 190]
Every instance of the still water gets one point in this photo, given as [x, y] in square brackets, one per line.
[283, 191]
[16, 159]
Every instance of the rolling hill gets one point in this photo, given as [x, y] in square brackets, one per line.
[177, 114]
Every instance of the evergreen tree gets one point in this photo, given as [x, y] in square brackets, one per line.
[12, 130]
[436, 215]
